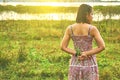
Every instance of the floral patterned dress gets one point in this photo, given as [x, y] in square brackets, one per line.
[86, 69]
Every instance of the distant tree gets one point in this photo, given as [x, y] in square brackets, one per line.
[4, 0]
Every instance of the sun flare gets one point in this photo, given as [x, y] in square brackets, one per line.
[54, 4]
[57, 4]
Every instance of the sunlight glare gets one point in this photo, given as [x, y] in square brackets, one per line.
[55, 16]
[57, 4]
[54, 4]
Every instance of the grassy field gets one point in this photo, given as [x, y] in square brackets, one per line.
[30, 50]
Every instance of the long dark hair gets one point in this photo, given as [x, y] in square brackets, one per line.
[83, 10]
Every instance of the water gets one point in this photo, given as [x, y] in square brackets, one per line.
[53, 16]
[48, 16]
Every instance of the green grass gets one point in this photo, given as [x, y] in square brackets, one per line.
[30, 50]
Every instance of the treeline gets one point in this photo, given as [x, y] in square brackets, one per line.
[105, 10]
[37, 9]
[108, 10]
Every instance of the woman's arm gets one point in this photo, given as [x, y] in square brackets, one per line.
[65, 42]
[100, 42]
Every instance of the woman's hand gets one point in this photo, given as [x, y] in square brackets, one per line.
[83, 56]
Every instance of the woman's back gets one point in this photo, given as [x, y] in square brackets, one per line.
[80, 34]
[80, 29]
[83, 65]
[82, 39]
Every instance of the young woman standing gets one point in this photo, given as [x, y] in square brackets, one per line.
[83, 64]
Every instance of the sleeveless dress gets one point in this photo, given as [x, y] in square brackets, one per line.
[85, 69]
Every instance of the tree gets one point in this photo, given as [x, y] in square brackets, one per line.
[4, 0]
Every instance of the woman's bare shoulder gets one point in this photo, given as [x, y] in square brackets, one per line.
[68, 29]
[94, 30]
[70, 26]
[92, 27]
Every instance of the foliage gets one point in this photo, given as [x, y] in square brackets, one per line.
[105, 10]
[37, 9]
[30, 50]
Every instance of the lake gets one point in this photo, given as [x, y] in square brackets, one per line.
[48, 16]
[53, 16]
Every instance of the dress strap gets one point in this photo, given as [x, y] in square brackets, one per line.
[71, 30]
[89, 30]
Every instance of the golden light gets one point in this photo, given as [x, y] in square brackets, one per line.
[57, 4]
[54, 4]
[55, 16]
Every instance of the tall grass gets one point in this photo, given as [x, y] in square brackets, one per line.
[30, 50]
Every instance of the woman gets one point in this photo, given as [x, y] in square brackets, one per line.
[83, 64]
